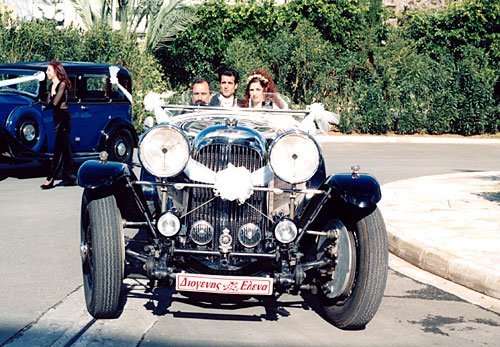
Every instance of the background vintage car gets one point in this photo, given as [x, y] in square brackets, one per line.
[101, 113]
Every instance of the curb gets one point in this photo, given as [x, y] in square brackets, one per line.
[444, 264]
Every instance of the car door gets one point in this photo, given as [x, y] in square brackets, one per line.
[92, 112]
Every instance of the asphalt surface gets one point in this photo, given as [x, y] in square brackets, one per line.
[449, 224]
[41, 265]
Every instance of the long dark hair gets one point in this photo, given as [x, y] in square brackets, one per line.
[61, 74]
[266, 81]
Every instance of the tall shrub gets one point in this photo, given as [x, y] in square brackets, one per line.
[475, 87]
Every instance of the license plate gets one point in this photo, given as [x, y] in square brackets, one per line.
[224, 284]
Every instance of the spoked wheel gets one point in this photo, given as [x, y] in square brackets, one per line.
[120, 146]
[352, 296]
[102, 251]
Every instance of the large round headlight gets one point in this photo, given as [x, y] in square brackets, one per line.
[164, 150]
[294, 157]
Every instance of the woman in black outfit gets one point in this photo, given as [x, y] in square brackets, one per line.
[58, 101]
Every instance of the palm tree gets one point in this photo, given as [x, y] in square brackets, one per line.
[161, 20]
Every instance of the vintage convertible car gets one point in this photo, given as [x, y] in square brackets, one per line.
[223, 205]
[100, 107]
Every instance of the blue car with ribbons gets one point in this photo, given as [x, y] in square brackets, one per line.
[100, 105]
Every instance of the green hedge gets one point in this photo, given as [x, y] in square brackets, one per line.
[437, 72]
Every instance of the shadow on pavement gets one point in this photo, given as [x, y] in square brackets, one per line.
[494, 195]
[160, 299]
[22, 170]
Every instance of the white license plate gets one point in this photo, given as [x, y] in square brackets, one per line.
[224, 284]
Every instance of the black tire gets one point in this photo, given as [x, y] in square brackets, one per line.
[357, 308]
[120, 146]
[103, 256]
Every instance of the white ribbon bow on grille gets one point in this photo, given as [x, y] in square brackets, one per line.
[233, 183]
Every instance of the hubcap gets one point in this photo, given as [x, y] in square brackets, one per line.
[121, 149]
[29, 132]
[84, 251]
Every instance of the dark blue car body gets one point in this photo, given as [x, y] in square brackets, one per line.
[101, 113]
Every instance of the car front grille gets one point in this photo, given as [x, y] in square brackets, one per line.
[223, 214]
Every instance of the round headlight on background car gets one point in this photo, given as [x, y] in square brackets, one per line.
[164, 150]
[294, 157]
[285, 231]
[168, 224]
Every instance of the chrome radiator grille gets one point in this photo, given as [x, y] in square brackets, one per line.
[222, 214]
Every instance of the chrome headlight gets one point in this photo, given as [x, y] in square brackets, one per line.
[164, 150]
[285, 231]
[168, 224]
[294, 157]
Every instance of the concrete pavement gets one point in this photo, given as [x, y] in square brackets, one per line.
[449, 224]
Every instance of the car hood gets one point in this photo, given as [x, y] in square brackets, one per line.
[9, 102]
[13, 98]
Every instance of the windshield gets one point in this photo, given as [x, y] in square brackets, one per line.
[25, 87]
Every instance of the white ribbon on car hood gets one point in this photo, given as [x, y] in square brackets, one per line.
[39, 76]
[232, 183]
[153, 102]
[320, 117]
[113, 72]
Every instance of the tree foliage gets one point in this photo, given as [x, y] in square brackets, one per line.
[159, 20]
[437, 72]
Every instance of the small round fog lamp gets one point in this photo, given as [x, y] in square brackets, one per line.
[285, 231]
[168, 224]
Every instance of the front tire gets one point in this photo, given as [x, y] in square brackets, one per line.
[355, 309]
[102, 251]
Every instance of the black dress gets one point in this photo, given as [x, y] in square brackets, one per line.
[63, 155]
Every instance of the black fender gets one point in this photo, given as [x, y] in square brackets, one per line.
[17, 150]
[114, 125]
[113, 178]
[360, 190]
[95, 174]
[349, 197]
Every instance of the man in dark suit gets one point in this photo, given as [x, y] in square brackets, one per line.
[228, 82]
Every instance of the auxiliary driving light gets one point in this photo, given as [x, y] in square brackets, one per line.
[202, 232]
[249, 235]
[168, 224]
[285, 231]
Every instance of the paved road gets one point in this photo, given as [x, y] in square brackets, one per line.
[41, 279]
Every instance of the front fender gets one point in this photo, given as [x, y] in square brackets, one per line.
[16, 150]
[349, 198]
[95, 174]
[360, 190]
